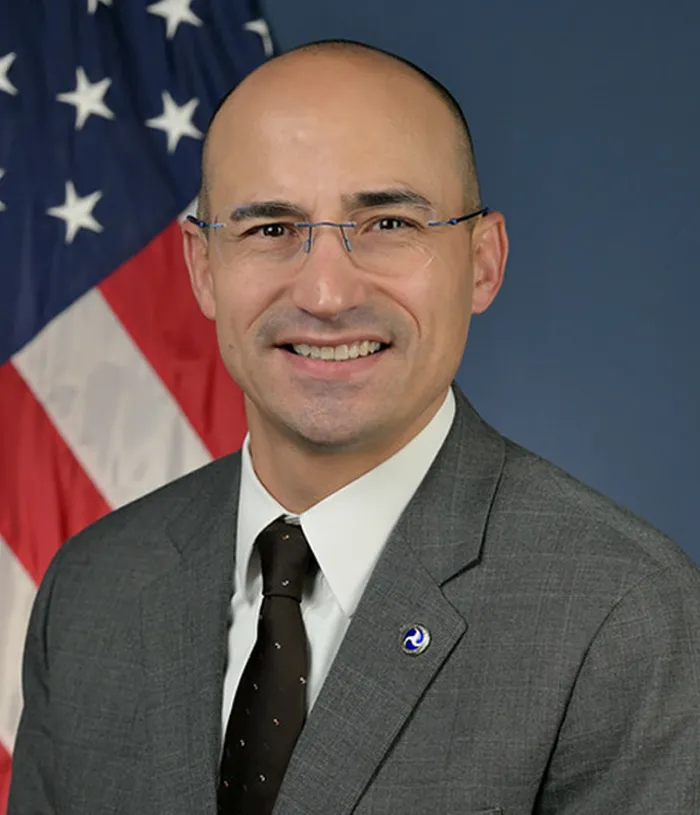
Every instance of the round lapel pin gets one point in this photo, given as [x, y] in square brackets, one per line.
[415, 640]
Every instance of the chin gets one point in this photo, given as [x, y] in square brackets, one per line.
[326, 434]
[328, 440]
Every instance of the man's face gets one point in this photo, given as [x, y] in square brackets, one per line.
[318, 133]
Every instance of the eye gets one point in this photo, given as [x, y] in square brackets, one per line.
[272, 231]
[390, 223]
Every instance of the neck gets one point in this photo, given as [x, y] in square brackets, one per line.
[299, 475]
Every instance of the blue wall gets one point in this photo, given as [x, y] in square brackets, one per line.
[586, 120]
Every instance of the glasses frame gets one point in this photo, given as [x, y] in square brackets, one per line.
[203, 225]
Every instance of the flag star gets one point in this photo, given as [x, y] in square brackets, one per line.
[176, 121]
[93, 4]
[174, 12]
[2, 205]
[87, 98]
[260, 28]
[77, 212]
[5, 65]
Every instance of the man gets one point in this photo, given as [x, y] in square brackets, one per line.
[485, 634]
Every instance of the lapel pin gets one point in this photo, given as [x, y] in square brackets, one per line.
[415, 640]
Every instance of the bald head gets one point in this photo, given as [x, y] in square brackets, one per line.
[366, 82]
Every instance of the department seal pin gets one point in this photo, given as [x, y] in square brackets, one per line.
[415, 640]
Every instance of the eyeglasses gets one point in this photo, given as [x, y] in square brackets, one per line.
[387, 244]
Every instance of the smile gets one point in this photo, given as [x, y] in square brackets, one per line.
[337, 353]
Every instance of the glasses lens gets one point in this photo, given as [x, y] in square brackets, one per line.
[389, 245]
[262, 243]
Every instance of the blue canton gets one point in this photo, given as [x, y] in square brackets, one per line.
[103, 105]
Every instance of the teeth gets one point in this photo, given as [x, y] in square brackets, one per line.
[338, 353]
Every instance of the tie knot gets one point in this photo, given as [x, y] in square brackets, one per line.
[285, 558]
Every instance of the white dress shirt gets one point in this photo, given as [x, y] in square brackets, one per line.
[346, 532]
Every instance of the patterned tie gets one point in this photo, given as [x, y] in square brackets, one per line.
[270, 704]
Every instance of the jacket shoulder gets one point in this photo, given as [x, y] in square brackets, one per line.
[134, 535]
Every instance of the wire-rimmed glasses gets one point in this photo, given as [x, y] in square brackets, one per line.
[386, 243]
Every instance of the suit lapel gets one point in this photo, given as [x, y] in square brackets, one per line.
[373, 686]
[185, 616]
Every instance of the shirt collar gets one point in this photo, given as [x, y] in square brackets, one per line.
[347, 530]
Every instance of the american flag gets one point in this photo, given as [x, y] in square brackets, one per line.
[110, 379]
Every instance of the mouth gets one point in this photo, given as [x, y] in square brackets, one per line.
[336, 353]
[338, 363]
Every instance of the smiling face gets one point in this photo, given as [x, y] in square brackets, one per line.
[340, 138]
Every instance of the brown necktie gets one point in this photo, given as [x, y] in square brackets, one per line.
[270, 703]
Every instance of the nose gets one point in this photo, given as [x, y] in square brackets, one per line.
[328, 283]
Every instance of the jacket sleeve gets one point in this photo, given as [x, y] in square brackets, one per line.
[31, 786]
[630, 740]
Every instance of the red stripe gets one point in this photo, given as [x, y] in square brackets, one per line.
[46, 495]
[151, 296]
[5, 770]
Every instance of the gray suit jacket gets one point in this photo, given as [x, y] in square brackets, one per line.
[563, 674]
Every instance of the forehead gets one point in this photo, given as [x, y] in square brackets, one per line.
[323, 129]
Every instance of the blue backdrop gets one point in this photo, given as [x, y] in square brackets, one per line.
[585, 118]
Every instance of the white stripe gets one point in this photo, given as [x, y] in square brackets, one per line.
[110, 406]
[17, 592]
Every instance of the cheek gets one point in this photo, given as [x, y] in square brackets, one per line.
[438, 300]
[240, 298]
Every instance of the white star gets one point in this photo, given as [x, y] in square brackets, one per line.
[87, 98]
[174, 12]
[2, 205]
[77, 212]
[5, 65]
[260, 28]
[93, 4]
[176, 121]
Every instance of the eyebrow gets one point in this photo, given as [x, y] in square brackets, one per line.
[365, 199]
[267, 209]
[368, 199]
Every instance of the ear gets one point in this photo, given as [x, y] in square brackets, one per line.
[489, 253]
[196, 250]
